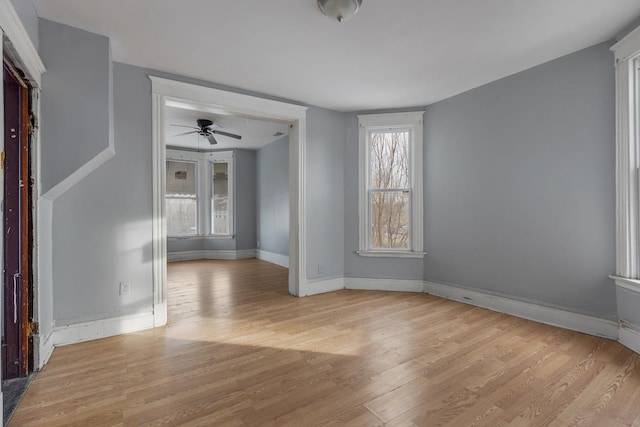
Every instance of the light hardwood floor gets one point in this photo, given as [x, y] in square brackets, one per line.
[238, 350]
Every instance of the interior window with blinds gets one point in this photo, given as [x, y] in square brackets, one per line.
[181, 198]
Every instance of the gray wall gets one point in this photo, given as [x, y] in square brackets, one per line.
[185, 244]
[27, 13]
[76, 111]
[273, 196]
[245, 199]
[628, 303]
[325, 193]
[519, 185]
[102, 226]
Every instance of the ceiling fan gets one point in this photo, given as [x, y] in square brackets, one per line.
[207, 128]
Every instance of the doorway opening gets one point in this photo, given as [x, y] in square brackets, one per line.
[169, 92]
[226, 193]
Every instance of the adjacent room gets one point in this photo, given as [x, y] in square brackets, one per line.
[320, 212]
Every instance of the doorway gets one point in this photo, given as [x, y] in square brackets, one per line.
[17, 242]
[164, 90]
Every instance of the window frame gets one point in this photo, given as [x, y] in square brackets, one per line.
[204, 191]
[627, 65]
[413, 121]
[222, 157]
[197, 194]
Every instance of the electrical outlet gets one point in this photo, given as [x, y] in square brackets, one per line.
[125, 288]
[320, 268]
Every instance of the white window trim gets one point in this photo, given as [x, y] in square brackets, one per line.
[413, 120]
[627, 61]
[219, 157]
[204, 191]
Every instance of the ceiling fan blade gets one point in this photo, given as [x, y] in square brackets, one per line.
[186, 133]
[211, 139]
[183, 126]
[230, 135]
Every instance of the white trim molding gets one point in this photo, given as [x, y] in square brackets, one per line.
[81, 173]
[629, 284]
[629, 335]
[551, 316]
[22, 49]
[412, 121]
[321, 286]
[627, 52]
[46, 349]
[273, 258]
[87, 331]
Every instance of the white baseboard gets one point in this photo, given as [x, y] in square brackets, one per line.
[245, 253]
[550, 316]
[160, 313]
[273, 258]
[210, 254]
[184, 256]
[383, 284]
[45, 350]
[629, 335]
[321, 286]
[87, 331]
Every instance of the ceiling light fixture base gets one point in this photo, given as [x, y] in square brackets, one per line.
[340, 10]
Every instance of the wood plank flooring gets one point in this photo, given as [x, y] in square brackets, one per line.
[239, 351]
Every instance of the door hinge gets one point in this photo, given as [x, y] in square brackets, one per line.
[34, 328]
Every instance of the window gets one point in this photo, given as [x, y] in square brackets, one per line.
[181, 198]
[391, 184]
[627, 54]
[221, 196]
[194, 177]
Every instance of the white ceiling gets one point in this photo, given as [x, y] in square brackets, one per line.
[255, 133]
[396, 53]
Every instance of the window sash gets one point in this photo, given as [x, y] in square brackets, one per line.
[173, 196]
[381, 229]
[168, 200]
[371, 189]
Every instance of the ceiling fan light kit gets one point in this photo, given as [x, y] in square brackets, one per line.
[340, 10]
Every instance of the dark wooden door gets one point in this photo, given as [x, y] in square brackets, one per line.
[16, 227]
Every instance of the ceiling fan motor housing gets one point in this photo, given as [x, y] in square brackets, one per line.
[203, 123]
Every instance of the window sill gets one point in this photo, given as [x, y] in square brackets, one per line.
[194, 237]
[206, 237]
[624, 282]
[219, 237]
[391, 254]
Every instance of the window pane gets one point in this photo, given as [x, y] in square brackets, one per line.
[220, 201]
[389, 219]
[181, 198]
[389, 159]
[181, 178]
[181, 215]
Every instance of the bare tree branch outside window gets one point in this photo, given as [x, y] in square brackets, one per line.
[389, 188]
